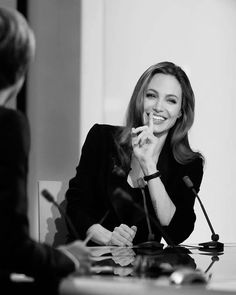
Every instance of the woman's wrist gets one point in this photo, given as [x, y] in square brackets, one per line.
[149, 168]
[100, 234]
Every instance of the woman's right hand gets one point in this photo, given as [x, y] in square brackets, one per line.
[123, 235]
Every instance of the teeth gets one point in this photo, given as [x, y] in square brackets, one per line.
[158, 118]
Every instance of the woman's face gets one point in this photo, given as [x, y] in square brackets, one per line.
[164, 98]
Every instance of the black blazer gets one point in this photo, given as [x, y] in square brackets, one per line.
[18, 252]
[91, 191]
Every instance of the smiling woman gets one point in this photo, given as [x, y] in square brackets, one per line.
[163, 99]
[150, 154]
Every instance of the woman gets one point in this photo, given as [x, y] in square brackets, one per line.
[154, 147]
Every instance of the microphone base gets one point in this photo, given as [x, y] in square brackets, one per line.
[212, 246]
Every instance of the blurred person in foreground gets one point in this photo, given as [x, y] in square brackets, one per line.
[150, 153]
[19, 253]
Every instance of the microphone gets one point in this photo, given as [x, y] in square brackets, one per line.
[45, 193]
[213, 244]
[151, 243]
[141, 185]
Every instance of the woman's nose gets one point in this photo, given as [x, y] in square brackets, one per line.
[158, 105]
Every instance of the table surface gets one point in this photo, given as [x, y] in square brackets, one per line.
[138, 270]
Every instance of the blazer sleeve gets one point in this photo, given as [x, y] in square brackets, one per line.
[18, 252]
[182, 223]
[82, 207]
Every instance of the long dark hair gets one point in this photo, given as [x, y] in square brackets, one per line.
[178, 134]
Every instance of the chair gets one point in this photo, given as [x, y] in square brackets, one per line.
[52, 227]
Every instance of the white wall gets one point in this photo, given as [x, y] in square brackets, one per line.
[53, 96]
[8, 3]
[119, 40]
[129, 36]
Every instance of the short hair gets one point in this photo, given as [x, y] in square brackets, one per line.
[17, 46]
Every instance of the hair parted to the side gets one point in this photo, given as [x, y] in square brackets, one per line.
[181, 149]
[17, 46]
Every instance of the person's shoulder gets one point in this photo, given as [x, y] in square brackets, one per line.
[197, 162]
[104, 129]
[11, 114]
[13, 118]
[14, 131]
[194, 169]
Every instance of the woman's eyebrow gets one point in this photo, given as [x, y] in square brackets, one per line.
[150, 89]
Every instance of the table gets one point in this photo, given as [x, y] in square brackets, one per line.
[123, 270]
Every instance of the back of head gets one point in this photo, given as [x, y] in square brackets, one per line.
[17, 46]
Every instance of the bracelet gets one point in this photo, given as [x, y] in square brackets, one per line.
[154, 175]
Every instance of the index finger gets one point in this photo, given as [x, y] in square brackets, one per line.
[150, 121]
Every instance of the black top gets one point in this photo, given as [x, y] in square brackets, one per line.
[91, 191]
[18, 252]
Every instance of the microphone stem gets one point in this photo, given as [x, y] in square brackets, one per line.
[159, 226]
[212, 262]
[67, 219]
[204, 211]
[150, 235]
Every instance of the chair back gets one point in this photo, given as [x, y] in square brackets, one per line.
[52, 227]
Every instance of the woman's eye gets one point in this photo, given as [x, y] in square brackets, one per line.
[172, 100]
[151, 95]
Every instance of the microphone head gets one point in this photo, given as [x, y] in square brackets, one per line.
[45, 193]
[188, 181]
